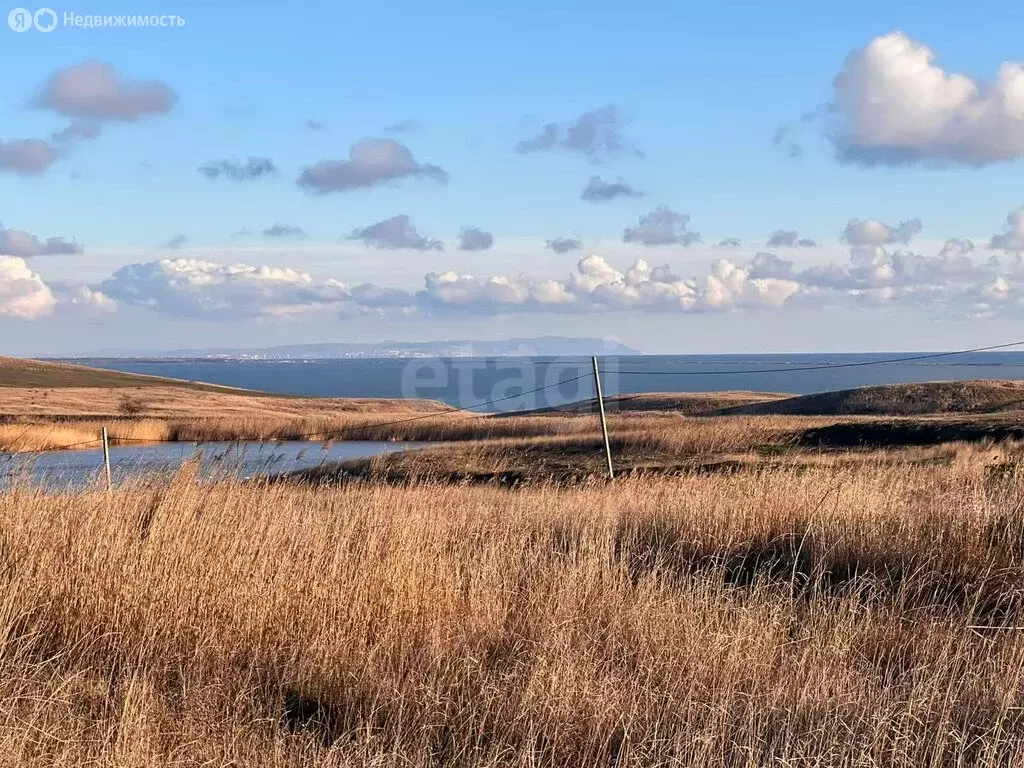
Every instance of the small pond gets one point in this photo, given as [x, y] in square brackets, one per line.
[76, 469]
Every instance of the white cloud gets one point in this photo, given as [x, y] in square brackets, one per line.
[95, 90]
[197, 288]
[236, 170]
[1012, 239]
[15, 242]
[26, 157]
[475, 239]
[83, 297]
[22, 292]
[893, 105]
[789, 238]
[564, 244]
[597, 134]
[598, 190]
[875, 232]
[950, 278]
[370, 162]
[596, 285]
[395, 233]
[662, 226]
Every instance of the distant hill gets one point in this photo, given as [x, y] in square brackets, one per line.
[544, 346]
[918, 399]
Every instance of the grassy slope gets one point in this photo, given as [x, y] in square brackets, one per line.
[685, 403]
[46, 406]
[934, 397]
[22, 373]
[663, 443]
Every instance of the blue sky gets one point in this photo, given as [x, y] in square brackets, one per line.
[699, 90]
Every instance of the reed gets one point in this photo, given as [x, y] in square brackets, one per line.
[825, 617]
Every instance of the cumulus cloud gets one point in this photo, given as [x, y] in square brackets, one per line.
[564, 244]
[394, 233]
[544, 141]
[26, 157]
[197, 288]
[78, 129]
[15, 242]
[875, 232]
[236, 170]
[729, 242]
[596, 285]
[955, 248]
[1012, 238]
[662, 226]
[175, 242]
[285, 231]
[95, 90]
[83, 297]
[23, 293]
[788, 238]
[475, 239]
[597, 134]
[873, 275]
[893, 105]
[768, 265]
[598, 190]
[882, 274]
[370, 162]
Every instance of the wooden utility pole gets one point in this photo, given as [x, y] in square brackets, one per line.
[604, 420]
[106, 459]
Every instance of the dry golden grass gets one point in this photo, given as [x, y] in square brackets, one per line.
[572, 448]
[913, 399]
[397, 426]
[166, 402]
[28, 373]
[814, 618]
[684, 403]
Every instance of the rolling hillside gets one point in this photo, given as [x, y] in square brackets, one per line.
[919, 399]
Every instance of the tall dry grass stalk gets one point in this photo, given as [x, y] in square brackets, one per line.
[399, 426]
[814, 618]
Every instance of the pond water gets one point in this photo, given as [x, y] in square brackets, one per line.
[76, 469]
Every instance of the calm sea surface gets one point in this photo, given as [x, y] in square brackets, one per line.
[469, 382]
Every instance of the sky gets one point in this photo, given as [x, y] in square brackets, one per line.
[681, 177]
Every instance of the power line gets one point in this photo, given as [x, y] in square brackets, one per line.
[60, 448]
[830, 366]
[487, 403]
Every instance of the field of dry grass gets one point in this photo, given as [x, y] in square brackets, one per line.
[170, 402]
[398, 426]
[683, 403]
[913, 399]
[47, 406]
[25, 373]
[823, 616]
[572, 451]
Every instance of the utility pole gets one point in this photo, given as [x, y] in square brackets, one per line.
[604, 420]
[106, 459]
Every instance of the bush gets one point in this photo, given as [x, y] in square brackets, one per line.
[131, 406]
